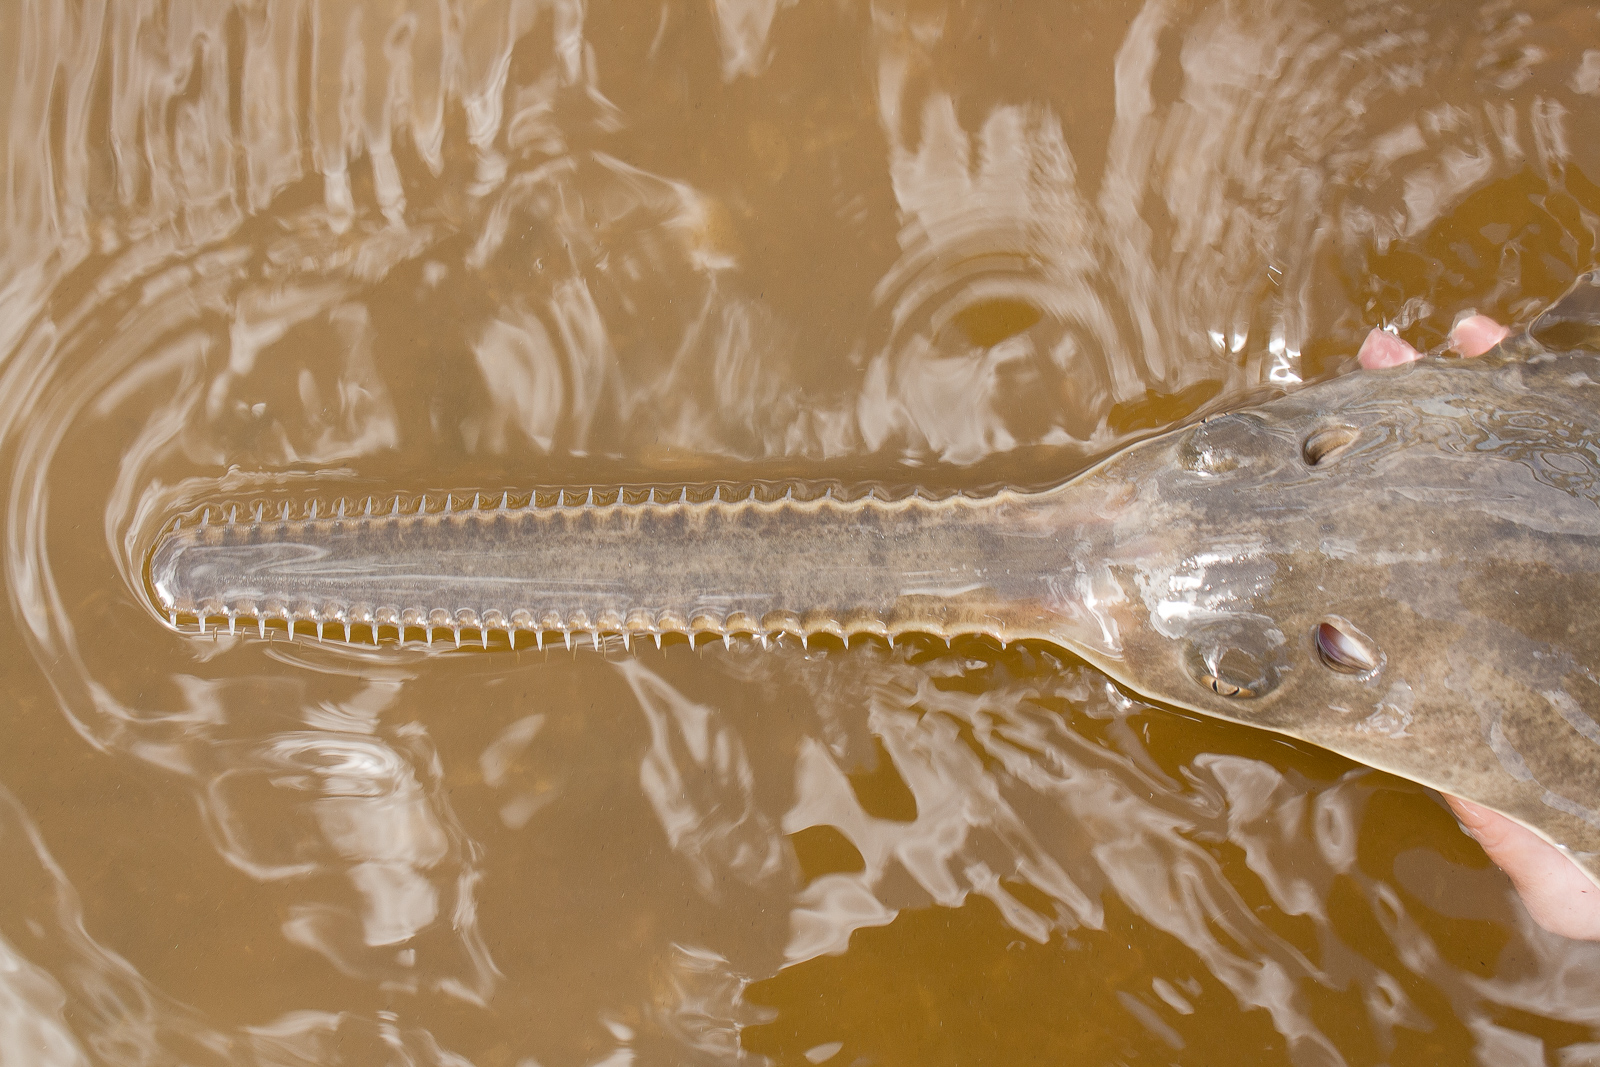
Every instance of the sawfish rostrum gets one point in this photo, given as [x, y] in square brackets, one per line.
[1401, 566]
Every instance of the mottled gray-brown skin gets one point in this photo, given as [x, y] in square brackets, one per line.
[1402, 566]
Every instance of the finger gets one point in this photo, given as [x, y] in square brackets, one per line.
[1476, 334]
[1384, 349]
[1558, 895]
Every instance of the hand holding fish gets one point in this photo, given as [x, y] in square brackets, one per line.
[1472, 336]
[1396, 565]
[1558, 895]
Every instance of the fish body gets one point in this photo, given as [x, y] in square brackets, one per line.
[1401, 566]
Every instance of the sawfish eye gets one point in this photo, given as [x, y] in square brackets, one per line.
[1224, 688]
[1224, 443]
[1344, 648]
[1324, 445]
[1230, 672]
[1235, 659]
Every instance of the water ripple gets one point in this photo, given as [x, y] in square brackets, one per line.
[273, 250]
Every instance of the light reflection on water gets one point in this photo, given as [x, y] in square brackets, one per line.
[277, 248]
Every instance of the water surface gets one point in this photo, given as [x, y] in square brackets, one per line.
[273, 250]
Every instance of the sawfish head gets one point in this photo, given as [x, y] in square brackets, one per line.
[1402, 566]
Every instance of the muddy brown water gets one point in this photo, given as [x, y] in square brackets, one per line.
[277, 250]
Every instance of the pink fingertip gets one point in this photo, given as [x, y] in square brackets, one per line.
[1476, 334]
[1383, 349]
[1558, 895]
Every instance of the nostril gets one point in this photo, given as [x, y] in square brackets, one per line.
[1324, 445]
[1346, 649]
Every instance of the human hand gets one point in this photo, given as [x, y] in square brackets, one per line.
[1472, 336]
[1558, 895]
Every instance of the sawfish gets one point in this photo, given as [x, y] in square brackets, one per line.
[1402, 566]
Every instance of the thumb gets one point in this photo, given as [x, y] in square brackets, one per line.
[1558, 894]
